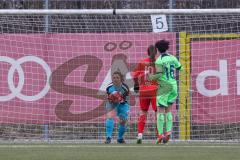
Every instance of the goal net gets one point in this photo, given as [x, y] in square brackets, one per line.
[54, 69]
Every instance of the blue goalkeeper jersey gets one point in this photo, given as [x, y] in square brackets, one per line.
[123, 89]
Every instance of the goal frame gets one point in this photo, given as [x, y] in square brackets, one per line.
[185, 95]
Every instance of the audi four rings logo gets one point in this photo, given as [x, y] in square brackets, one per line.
[16, 66]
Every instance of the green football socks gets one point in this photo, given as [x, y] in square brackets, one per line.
[169, 122]
[160, 123]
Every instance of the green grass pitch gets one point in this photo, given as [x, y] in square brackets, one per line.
[119, 152]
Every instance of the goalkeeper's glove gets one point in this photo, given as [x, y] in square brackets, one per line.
[136, 88]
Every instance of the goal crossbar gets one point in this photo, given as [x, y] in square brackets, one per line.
[116, 11]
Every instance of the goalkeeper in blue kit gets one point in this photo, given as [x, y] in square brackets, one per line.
[117, 103]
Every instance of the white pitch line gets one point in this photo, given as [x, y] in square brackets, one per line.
[111, 146]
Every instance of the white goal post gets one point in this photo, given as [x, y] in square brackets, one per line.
[56, 64]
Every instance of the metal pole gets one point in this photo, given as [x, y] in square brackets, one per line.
[172, 4]
[46, 126]
[46, 6]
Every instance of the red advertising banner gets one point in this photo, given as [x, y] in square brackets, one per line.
[49, 78]
[215, 81]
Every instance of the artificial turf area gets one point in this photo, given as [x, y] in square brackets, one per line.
[119, 152]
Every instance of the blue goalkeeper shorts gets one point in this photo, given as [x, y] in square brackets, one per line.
[122, 109]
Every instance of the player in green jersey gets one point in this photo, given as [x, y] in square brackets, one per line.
[166, 64]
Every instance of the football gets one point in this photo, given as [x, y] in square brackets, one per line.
[115, 97]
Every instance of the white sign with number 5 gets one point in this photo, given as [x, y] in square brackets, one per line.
[159, 23]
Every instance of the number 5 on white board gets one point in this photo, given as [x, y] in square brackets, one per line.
[159, 23]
